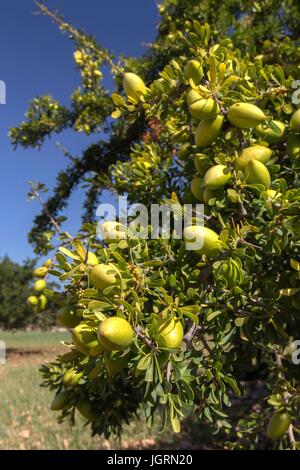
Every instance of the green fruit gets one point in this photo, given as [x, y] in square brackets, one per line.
[42, 302]
[48, 263]
[39, 286]
[255, 152]
[103, 276]
[257, 173]
[202, 163]
[193, 69]
[134, 86]
[92, 259]
[197, 188]
[217, 177]
[85, 408]
[192, 96]
[271, 135]
[195, 236]
[204, 108]
[114, 363]
[67, 317]
[278, 425]
[295, 121]
[272, 194]
[32, 300]
[60, 401]
[72, 377]
[211, 194]
[84, 338]
[293, 146]
[184, 151]
[170, 333]
[115, 334]
[245, 115]
[207, 131]
[113, 231]
[40, 272]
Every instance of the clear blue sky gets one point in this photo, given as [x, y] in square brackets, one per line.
[36, 59]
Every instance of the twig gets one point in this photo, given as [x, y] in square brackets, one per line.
[138, 330]
[46, 210]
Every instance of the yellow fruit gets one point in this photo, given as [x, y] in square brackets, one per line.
[257, 173]
[278, 425]
[204, 109]
[170, 333]
[72, 377]
[193, 69]
[114, 363]
[245, 115]
[60, 401]
[295, 121]
[32, 300]
[85, 408]
[113, 231]
[103, 276]
[48, 263]
[202, 240]
[293, 146]
[39, 286]
[273, 136]
[92, 259]
[202, 163]
[211, 194]
[255, 152]
[84, 338]
[42, 302]
[40, 272]
[192, 96]
[134, 86]
[67, 317]
[115, 334]
[207, 131]
[197, 188]
[272, 194]
[217, 177]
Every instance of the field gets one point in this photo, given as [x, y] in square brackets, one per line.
[26, 421]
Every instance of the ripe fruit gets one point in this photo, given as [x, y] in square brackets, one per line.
[257, 173]
[103, 276]
[134, 86]
[92, 259]
[271, 135]
[42, 302]
[39, 286]
[85, 408]
[278, 425]
[72, 377]
[60, 401]
[245, 115]
[193, 69]
[295, 121]
[114, 363]
[113, 231]
[67, 317]
[170, 333]
[197, 188]
[48, 263]
[207, 131]
[199, 107]
[32, 300]
[217, 177]
[203, 240]
[255, 152]
[293, 146]
[202, 163]
[84, 338]
[40, 272]
[115, 333]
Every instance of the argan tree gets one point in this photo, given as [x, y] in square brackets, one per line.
[208, 115]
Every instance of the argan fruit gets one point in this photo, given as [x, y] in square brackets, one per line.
[48, 263]
[207, 131]
[115, 334]
[42, 302]
[255, 152]
[84, 338]
[193, 69]
[273, 136]
[60, 401]
[72, 377]
[32, 300]
[295, 121]
[257, 173]
[195, 236]
[204, 108]
[113, 231]
[92, 259]
[278, 425]
[272, 194]
[170, 333]
[39, 286]
[217, 177]
[85, 408]
[184, 151]
[293, 146]
[103, 276]
[67, 317]
[202, 163]
[197, 188]
[245, 115]
[209, 194]
[134, 86]
[40, 272]
[192, 96]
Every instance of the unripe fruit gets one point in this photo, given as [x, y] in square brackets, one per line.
[257, 173]
[32, 300]
[67, 317]
[207, 131]
[48, 263]
[217, 177]
[245, 115]
[255, 152]
[268, 134]
[60, 401]
[193, 69]
[40, 272]
[295, 121]
[115, 334]
[195, 235]
[134, 86]
[72, 377]
[114, 364]
[42, 302]
[39, 286]
[184, 151]
[92, 259]
[272, 194]
[197, 188]
[85, 408]
[293, 146]
[201, 108]
[278, 425]
[103, 276]
[84, 338]
[202, 163]
[211, 194]
[112, 231]
[192, 96]
[170, 333]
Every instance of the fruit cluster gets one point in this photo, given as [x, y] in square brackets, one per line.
[38, 301]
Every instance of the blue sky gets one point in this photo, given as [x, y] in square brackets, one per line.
[36, 59]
